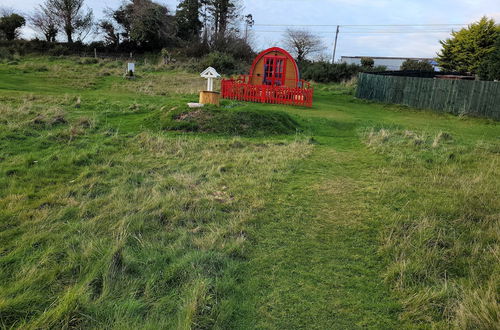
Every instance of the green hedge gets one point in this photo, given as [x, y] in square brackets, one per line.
[325, 72]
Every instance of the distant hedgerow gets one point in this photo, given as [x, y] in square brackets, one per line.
[325, 72]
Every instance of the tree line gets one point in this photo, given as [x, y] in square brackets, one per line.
[144, 25]
[203, 26]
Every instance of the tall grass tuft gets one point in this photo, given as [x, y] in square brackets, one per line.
[443, 244]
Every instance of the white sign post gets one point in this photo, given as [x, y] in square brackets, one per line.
[131, 67]
[130, 73]
[210, 74]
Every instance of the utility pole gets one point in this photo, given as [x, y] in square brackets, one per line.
[335, 45]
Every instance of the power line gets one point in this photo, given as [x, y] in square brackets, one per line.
[349, 25]
[361, 32]
[364, 29]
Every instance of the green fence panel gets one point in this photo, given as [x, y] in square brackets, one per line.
[460, 97]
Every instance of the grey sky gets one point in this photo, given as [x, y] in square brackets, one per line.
[366, 40]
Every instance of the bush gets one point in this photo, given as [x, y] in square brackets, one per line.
[413, 65]
[5, 54]
[88, 60]
[196, 49]
[223, 63]
[59, 50]
[325, 72]
[239, 49]
[367, 62]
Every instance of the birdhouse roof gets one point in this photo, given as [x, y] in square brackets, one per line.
[210, 73]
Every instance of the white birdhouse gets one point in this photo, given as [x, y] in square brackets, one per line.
[210, 74]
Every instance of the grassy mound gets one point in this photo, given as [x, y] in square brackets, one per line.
[229, 121]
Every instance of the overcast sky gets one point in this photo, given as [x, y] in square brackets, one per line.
[367, 40]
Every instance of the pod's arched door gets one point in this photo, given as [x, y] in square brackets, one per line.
[274, 70]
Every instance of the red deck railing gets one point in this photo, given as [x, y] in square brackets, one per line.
[241, 89]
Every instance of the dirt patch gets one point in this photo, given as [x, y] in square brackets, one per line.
[197, 115]
[42, 120]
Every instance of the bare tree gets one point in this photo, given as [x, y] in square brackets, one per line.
[302, 43]
[111, 35]
[45, 23]
[72, 18]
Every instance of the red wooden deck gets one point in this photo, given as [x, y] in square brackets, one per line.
[241, 89]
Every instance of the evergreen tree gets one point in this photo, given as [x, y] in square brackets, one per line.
[489, 69]
[446, 58]
[223, 13]
[467, 48]
[188, 20]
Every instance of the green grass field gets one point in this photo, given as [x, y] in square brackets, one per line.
[119, 209]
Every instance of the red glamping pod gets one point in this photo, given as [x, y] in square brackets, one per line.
[273, 78]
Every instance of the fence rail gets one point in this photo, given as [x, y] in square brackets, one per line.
[473, 98]
[242, 89]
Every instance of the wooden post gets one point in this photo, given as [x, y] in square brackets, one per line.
[207, 97]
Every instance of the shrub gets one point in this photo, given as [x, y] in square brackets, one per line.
[223, 63]
[378, 68]
[367, 62]
[5, 54]
[413, 65]
[197, 49]
[59, 50]
[326, 72]
[88, 60]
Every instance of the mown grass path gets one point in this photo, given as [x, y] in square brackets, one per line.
[314, 262]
